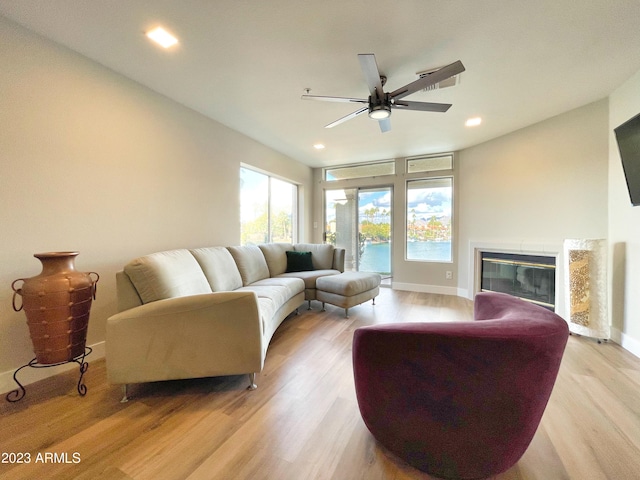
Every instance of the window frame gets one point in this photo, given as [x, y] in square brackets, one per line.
[429, 175]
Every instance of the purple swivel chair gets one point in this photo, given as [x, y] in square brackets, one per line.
[460, 400]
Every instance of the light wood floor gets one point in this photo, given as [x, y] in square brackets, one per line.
[303, 421]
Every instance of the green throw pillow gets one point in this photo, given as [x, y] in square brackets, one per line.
[299, 261]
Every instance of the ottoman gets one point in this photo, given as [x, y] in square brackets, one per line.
[347, 289]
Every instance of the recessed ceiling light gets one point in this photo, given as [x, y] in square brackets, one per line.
[162, 37]
[319, 146]
[473, 122]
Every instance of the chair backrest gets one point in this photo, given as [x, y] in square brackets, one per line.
[460, 399]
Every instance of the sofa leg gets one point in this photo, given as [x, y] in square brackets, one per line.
[323, 310]
[125, 398]
[252, 382]
[346, 312]
[374, 300]
[309, 305]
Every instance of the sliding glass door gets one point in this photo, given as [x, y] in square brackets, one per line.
[359, 220]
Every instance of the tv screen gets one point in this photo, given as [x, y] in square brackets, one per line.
[628, 138]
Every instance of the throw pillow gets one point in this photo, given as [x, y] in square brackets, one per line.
[299, 261]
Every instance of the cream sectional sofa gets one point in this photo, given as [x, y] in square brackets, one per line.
[206, 311]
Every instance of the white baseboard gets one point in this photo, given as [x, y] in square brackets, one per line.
[418, 287]
[625, 341]
[31, 375]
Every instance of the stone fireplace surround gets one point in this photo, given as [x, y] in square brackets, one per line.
[544, 248]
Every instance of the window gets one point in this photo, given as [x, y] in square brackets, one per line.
[430, 163]
[360, 171]
[267, 208]
[429, 213]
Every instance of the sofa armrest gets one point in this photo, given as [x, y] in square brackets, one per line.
[203, 335]
[338, 259]
[126, 292]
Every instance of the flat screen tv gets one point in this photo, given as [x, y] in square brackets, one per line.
[628, 138]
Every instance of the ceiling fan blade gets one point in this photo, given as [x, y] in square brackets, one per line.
[421, 106]
[335, 99]
[385, 124]
[431, 79]
[371, 74]
[348, 117]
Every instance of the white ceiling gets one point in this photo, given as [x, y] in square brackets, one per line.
[246, 63]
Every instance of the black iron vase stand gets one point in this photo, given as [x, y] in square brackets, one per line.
[20, 392]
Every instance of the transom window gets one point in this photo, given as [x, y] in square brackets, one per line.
[430, 163]
[377, 169]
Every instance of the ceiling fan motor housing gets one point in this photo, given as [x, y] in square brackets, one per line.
[380, 109]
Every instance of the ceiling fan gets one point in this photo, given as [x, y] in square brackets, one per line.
[379, 103]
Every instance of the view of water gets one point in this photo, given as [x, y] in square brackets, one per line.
[434, 251]
[376, 257]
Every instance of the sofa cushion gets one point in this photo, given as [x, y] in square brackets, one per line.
[293, 285]
[278, 295]
[321, 254]
[219, 268]
[250, 262]
[299, 262]
[349, 283]
[309, 277]
[274, 254]
[174, 273]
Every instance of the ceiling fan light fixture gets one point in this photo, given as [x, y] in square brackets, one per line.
[379, 112]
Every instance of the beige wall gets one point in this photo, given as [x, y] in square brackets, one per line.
[94, 162]
[535, 187]
[624, 227]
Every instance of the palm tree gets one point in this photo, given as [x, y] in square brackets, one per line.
[412, 225]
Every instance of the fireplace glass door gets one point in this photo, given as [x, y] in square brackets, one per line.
[530, 277]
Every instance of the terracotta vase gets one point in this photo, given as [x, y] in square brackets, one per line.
[57, 304]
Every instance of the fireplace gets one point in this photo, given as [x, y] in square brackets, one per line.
[529, 277]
